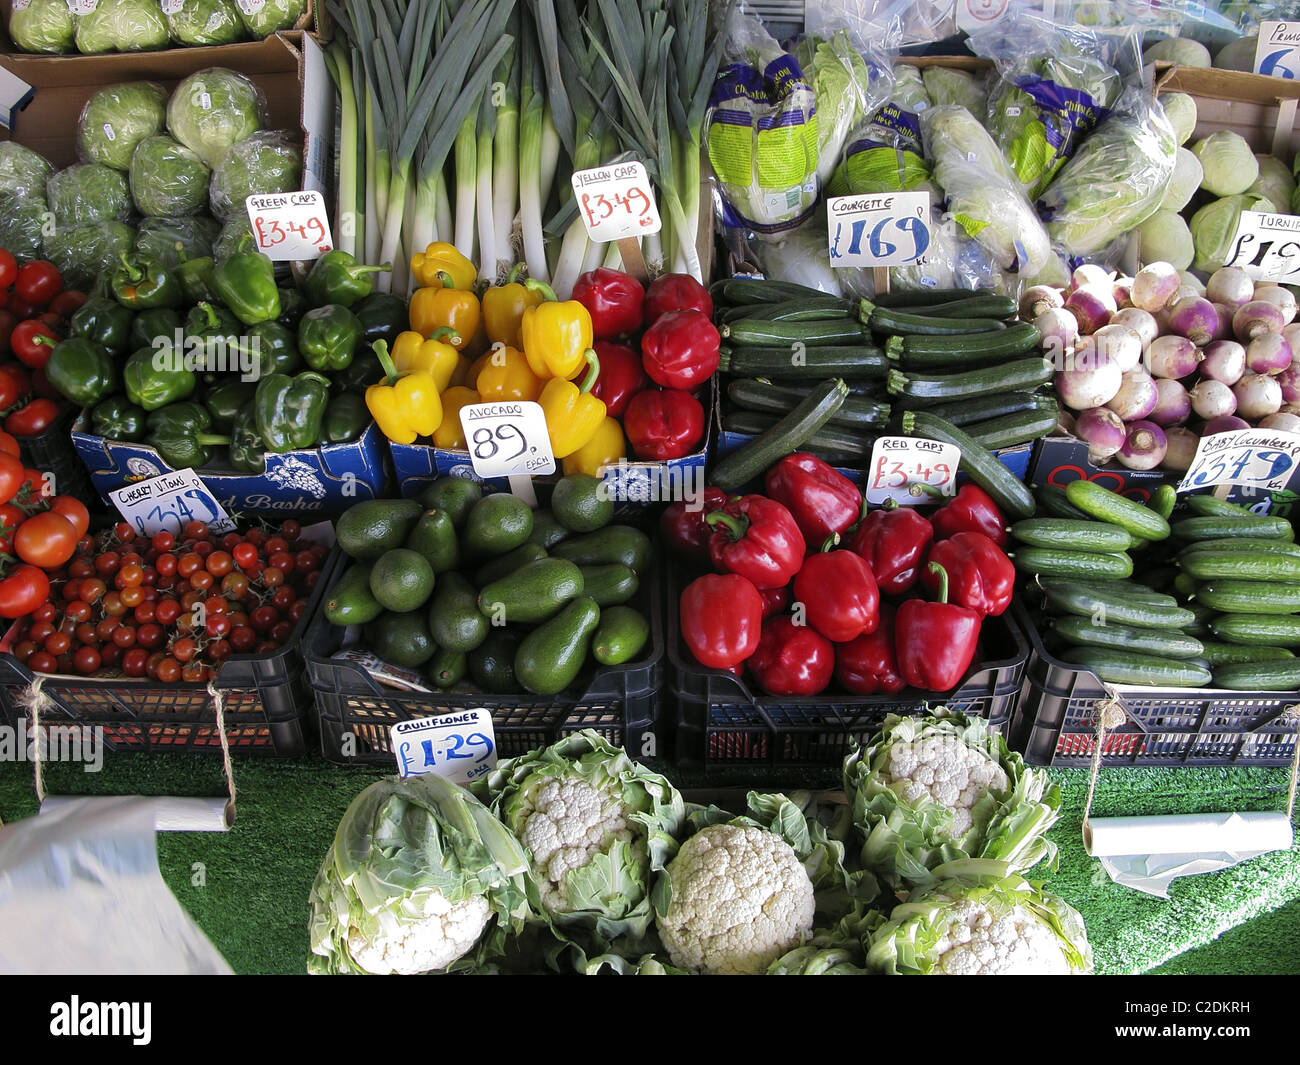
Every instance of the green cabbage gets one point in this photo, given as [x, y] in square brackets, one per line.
[1184, 181]
[23, 172]
[230, 238]
[117, 118]
[1181, 111]
[1274, 183]
[261, 18]
[82, 253]
[203, 22]
[946, 86]
[43, 26]
[266, 162]
[88, 193]
[171, 241]
[122, 26]
[1215, 225]
[1180, 50]
[1166, 238]
[212, 110]
[1229, 164]
[22, 226]
[1238, 55]
[167, 178]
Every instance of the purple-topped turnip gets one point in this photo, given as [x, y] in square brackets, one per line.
[1145, 447]
[1103, 431]
[1258, 396]
[1195, 318]
[1173, 404]
[1225, 360]
[1137, 396]
[1231, 286]
[1154, 286]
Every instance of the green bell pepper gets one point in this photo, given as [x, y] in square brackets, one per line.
[81, 370]
[246, 284]
[195, 276]
[216, 337]
[276, 348]
[225, 400]
[140, 284]
[362, 371]
[327, 337]
[154, 323]
[346, 418]
[103, 321]
[178, 433]
[382, 316]
[117, 418]
[247, 451]
[289, 410]
[337, 277]
[154, 377]
[293, 305]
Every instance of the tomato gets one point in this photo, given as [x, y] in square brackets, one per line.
[8, 444]
[86, 661]
[272, 577]
[74, 510]
[58, 643]
[132, 596]
[10, 518]
[219, 563]
[243, 639]
[290, 529]
[37, 487]
[196, 672]
[42, 662]
[68, 302]
[38, 282]
[47, 540]
[245, 554]
[167, 611]
[8, 268]
[163, 541]
[77, 610]
[24, 589]
[134, 662]
[32, 341]
[168, 670]
[92, 589]
[10, 391]
[11, 477]
[33, 418]
[150, 636]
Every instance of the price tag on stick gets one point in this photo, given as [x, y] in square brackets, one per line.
[166, 503]
[509, 440]
[290, 225]
[460, 747]
[1261, 458]
[891, 229]
[1267, 247]
[899, 462]
[617, 203]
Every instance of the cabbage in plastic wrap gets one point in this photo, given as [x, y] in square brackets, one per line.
[946, 86]
[81, 253]
[121, 26]
[117, 118]
[171, 241]
[88, 193]
[23, 172]
[203, 22]
[266, 162]
[42, 26]
[846, 88]
[22, 224]
[261, 18]
[212, 110]
[167, 178]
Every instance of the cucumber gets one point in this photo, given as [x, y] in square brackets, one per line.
[805, 363]
[1259, 676]
[1246, 546]
[1163, 500]
[757, 290]
[784, 334]
[893, 320]
[1124, 667]
[1128, 638]
[1234, 564]
[854, 413]
[1159, 578]
[1011, 376]
[1250, 597]
[1096, 536]
[925, 353]
[1250, 527]
[1184, 585]
[1050, 562]
[1053, 501]
[850, 447]
[1271, 629]
[961, 412]
[1008, 490]
[1103, 504]
[1230, 654]
[787, 435]
[1208, 506]
[1013, 429]
[1116, 601]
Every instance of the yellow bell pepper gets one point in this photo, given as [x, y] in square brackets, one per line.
[457, 309]
[459, 375]
[573, 414]
[556, 335]
[450, 434]
[442, 258]
[503, 310]
[507, 375]
[476, 368]
[404, 406]
[603, 449]
[433, 355]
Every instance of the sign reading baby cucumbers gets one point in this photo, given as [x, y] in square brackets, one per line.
[616, 201]
[886, 229]
[1278, 52]
[460, 746]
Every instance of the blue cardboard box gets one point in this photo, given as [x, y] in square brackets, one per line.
[324, 480]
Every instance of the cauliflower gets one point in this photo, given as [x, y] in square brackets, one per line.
[740, 898]
[426, 937]
[947, 772]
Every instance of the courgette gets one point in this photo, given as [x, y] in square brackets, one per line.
[928, 353]
[1008, 490]
[1247, 527]
[1013, 429]
[1128, 638]
[849, 447]
[787, 435]
[922, 297]
[826, 308]
[1116, 601]
[1101, 503]
[1067, 534]
[1249, 597]
[765, 397]
[1012, 376]
[755, 333]
[900, 322]
[1232, 563]
[1259, 676]
[1272, 630]
[960, 412]
[1123, 667]
[805, 363]
[758, 290]
[1231, 654]
[1050, 562]
[978, 305]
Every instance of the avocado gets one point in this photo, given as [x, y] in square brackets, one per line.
[350, 601]
[401, 639]
[366, 530]
[620, 636]
[454, 618]
[553, 654]
[492, 663]
[582, 503]
[401, 580]
[532, 593]
[496, 524]
[455, 495]
[434, 537]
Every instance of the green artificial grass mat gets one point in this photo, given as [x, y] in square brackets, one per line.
[247, 888]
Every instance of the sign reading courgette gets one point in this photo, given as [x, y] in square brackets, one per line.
[885, 229]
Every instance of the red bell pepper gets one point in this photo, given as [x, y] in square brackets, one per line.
[792, 659]
[893, 542]
[721, 619]
[822, 500]
[676, 292]
[757, 538]
[979, 575]
[621, 376]
[775, 600]
[663, 424]
[683, 527]
[868, 665]
[935, 642]
[971, 510]
[680, 350]
[839, 595]
[613, 299]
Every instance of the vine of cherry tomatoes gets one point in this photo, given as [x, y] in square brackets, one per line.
[35, 310]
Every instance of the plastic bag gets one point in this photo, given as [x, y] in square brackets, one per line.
[121, 26]
[44, 26]
[167, 179]
[170, 241]
[912, 21]
[266, 162]
[81, 253]
[116, 119]
[885, 154]
[23, 172]
[22, 225]
[88, 193]
[203, 22]
[948, 86]
[214, 109]
[261, 18]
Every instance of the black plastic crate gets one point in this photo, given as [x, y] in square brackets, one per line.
[723, 725]
[1056, 719]
[52, 452]
[354, 711]
[265, 699]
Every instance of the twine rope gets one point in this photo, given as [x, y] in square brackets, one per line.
[1292, 715]
[1110, 715]
[219, 706]
[34, 700]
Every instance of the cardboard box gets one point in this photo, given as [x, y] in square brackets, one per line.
[325, 480]
[1261, 109]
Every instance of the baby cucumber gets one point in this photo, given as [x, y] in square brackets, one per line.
[1126, 667]
[1051, 562]
[1091, 536]
[1128, 638]
[1101, 503]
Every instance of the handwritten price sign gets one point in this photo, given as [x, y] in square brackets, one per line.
[1278, 52]
[1261, 458]
[616, 201]
[885, 230]
[899, 462]
[1267, 246]
[507, 439]
[460, 747]
[166, 503]
[291, 225]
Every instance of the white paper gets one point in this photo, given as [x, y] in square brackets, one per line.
[459, 746]
[508, 439]
[898, 463]
[290, 226]
[1148, 853]
[168, 501]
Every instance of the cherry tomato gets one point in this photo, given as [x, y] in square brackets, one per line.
[196, 672]
[150, 636]
[281, 631]
[168, 671]
[81, 567]
[230, 541]
[8, 268]
[263, 618]
[124, 532]
[219, 563]
[215, 604]
[20, 309]
[196, 530]
[33, 418]
[165, 564]
[282, 597]
[203, 548]
[274, 545]
[77, 610]
[7, 443]
[133, 662]
[85, 633]
[167, 611]
[92, 589]
[202, 580]
[244, 554]
[290, 529]
[47, 540]
[145, 612]
[130, 574]
[42, 662]
[32, 342]
[242, 639]
[11, 477]
[272, 577]
[124, 636]
[68, 302]
[24, 649]
[86, 661]
[281, 560]
[183, 648]
[218, 652]
[39, 630]
[45, 612]
[105, 629]
[163, 541]
[132, 596]
[38, 282]
[256, 537]
[74, 510]
[297, 608]
[23, 590]
[57, 643]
